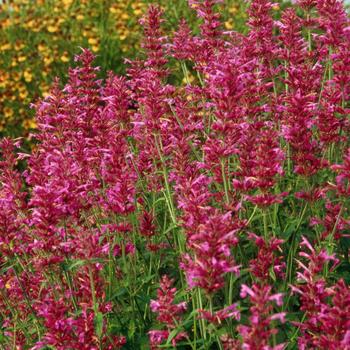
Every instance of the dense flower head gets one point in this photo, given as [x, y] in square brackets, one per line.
[324, 325]
[211, 23]
[168, 313]
[343, 175]
[256, 335]
[12, 200]
[267, 260]
[163, 306]
[153, 39]
[212, 260]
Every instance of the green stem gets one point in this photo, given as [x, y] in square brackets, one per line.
[224, 179]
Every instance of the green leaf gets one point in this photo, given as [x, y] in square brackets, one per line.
[77, 263]
[98, 323]
[289, 231]
[131, 329]
[172, 335]
[272, 274]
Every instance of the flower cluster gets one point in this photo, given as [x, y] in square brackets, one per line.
[168, 313]
[235, 184]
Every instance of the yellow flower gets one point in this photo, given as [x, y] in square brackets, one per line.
[229, 24]
[29, 124]
[276, 7]
[21, 58]
[23, 94]
[79, 17]
[42, 47]
[8, 112]
[136, 5]
[28, 77]
[48, 60]
[138, 12]
[6, 46]
[31, 24]
[19, 46]
[65, 57]
[44, 88]
[52, 29]
[67, 2]
[6, 23]
[16, 76]
[233, 10]
[93, 41]
[95, 48]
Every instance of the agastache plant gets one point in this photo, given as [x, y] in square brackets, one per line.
[201, 201]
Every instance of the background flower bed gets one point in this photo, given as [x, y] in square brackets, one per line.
[200, 202]
[38, 40]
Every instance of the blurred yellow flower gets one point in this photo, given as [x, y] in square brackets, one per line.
[5, 47]
[23, 94]
[65, 57]
[48, 60]
[138, 12]
[188, 79]
[8, 112]
[67, 2]
[31, 24]
[229, 24]
[19, 46]
[29, 124]
[92, 41]
[27, 76]
[16, 76]
[52, 29]
[233, 10]
[42, 47]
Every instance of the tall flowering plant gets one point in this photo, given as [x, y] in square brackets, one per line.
[206, 215]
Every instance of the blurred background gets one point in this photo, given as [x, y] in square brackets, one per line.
[39, 38]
